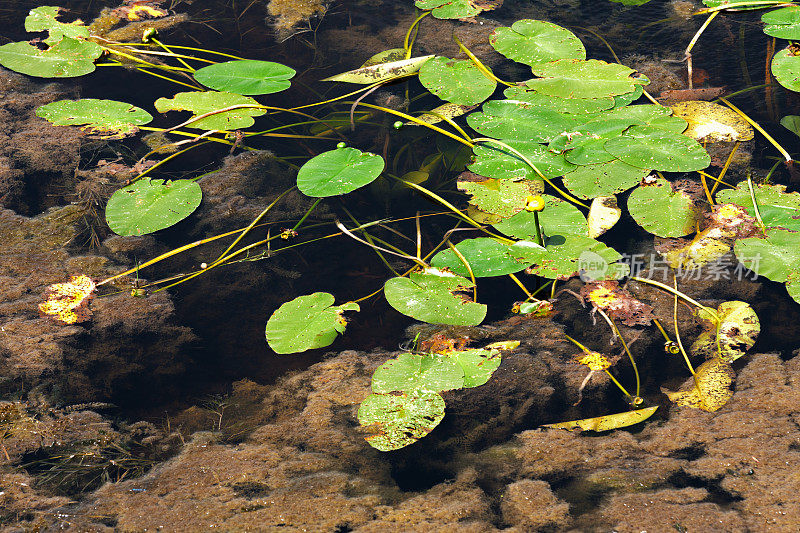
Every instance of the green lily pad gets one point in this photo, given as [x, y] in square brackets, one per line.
[374, 73]
[434, 296]
[456, 81]
[395, 421]
[502, 197]
[791, 123]
[246, 77]
[654, 148]
[776, 256]
[202, 102]
[785, 67]
[67, 58]
[495, 161]
[477, 365]
[732, 5]
[455, 9]
[338, 171]
[43, 18]
[149, 205]
[566, 255]
[307, 322]
[777, 208]
[577, 106]
[536, 41]
[603, 179]
[486, 257]
[574, 78]
[730, 334]
[584, 145]
[109, 118]
[621, 100]
[783, 23]
[508, 119]
[661, 210]
[418, 372]
[558, 217]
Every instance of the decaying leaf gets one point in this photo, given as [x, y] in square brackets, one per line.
[728, 222]
[607, 422]
[729, 336]
[709, 122]
[537, 309]
[135, 10]
[447, 110]
[618, 302]
[596, 361]
[710, 388]
[381, 71]
[68, 302]
[603, 214]
[395, 421]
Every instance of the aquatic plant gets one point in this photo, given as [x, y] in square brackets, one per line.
[564, 143]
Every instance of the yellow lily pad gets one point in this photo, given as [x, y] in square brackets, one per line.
[603, 214]
[712, 122]
[710, 388]
[731, 334]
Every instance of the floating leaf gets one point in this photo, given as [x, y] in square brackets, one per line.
[558, 217]
[457, 9]
[728, 335]
[43, 18]
[307, 322]
[65, 59]
[567, 255]
[486, 257]
[511, 119]
[149, 205]
[733, 5]
[536, 41]
[710, 388]
[791, 123]
[386, 56]
[418, 372]
[202, 102]
[395, 421]
[603, 179]
[709, 122]
[456, 81]
[246, 77]
[438, 114]
[494, 161]
[498, 197]
[618, 302]
[607, 422]
[381, 71]
[574, 78]
[585, 145]
[654, 148]
[777, 208]
[785, 67]
[338, 171]
[434, 296]
[68, 302]
[661, 210]
[537, 309]
[776, 256]
[603, 214]
[783, 23]
[111, 119]
[576, 106]
[478, 365]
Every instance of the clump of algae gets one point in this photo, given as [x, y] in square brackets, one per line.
[288, 14]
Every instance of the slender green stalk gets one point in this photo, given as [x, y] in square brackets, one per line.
[408, 42]
[755, 125]
[477, 62]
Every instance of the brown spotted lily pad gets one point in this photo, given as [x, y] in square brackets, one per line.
[710, 388]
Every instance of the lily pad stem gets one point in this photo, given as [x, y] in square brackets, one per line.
[712, 312]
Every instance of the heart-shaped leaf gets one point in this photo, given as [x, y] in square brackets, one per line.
[568, 255]
[486, 257]
[777, 208]
[536, 41]
[495, 161]
[502, 197]
[246, 76]
[65, 59]
[410, 372]
[43, 18]
[434, 296]
[515, 120]
[456, 81]
[307, 322]
[109, 118]
[578, 106]
[557, 218]
[395, 421]
[202, 102]
[729, 334]
[149, 205]
[661, 210]
[783, 23]
[338, 171]
[785, 67]
[457, 9]
[603, 179]
[575, 78]
[658, 149]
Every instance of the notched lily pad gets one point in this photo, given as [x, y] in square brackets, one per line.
[503, 197]
[730, 334]
[246, 76]
[108, 118]
[662, 210]
[575, 78]
[785, 67]
[435, 296]
[486, 257]
[67, 58]
[457, 9]
[536, 41]
[570, 255]
[148, 205]
[395, 421]
[410, 372]
[307, 322]
[558, 217]
[338, 171]
[658, 149]
[43, 18]
[202, 102]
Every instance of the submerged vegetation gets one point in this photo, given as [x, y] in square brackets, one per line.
[540, 169]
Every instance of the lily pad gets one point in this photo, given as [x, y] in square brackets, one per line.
[557, 218]
[777, 208]
[149, 205]
[603, 215]
[785, 67]
[43, 18]
[486, 257]
[603, 179]
[495, 161]
[791, 123]
[109, 118]
[456, 9]
[661, 210]
[728, 335]
[776, 256]
[202, 102]
[456, 81]
[654, 148]
[338, 171]
[536, 41]
[511, 119]
[246, 76]
[381, 71]
[395, 421]
[710, 388]
[562, 105]
[307, 322]
[67, 58]
[709, 122]
[574, 78]
[502, 197]
[478, 364]
[418, 372]
[566, 255]
[607, 422]
[783, 23]
[435, 296]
